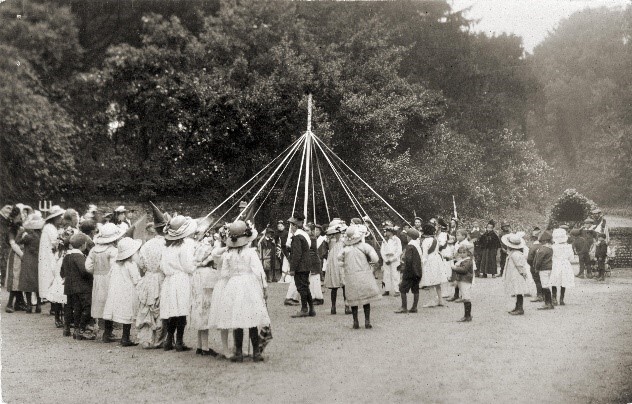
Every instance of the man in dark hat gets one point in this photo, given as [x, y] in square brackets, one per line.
[505, 229]
[300, 264]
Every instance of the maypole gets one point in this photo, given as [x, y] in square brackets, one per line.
[308, 154]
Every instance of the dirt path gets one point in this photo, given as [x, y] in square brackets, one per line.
[577, 353]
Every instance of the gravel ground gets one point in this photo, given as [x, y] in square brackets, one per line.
[579, 353]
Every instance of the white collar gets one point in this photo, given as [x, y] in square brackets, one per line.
[74, 251]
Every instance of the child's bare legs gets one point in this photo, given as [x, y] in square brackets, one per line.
[439, 295]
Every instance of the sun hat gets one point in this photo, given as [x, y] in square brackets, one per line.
[356, 220]
[428, 229]
[560, 236]
[545, 237]
[589, 221]
[78, 240]
[108, 233]
[54, 211]
[354, 234]
[240, 233]
[336, 226]
[513, 240]
[412, 233]
[127, 247]
[34, 221]
[120, 209]
[180, 227]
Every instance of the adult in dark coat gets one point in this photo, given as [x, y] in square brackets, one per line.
[29, 281]
[489, 244]
[300, 265]
[5, 247]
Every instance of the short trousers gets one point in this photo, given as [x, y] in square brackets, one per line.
[409, 283]
[465, 290]
[545, 279]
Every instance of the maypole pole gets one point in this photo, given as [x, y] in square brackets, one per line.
[308, 154]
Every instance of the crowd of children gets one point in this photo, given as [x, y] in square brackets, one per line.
[95, 275]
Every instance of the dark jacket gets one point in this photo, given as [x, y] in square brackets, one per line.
[531, 256]
[299, 253]
[489, 241]
[601, 251]
[543, 260]
[315, 264]
[76, 279]
[464, 272]
[581, 246]
[412, 262]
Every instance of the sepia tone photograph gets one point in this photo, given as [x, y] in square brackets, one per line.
[277, 201]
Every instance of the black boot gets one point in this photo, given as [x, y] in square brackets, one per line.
[548, 304]
[310, 304]
[67, 320]
[180, 347]
[256, 349]
[108, 326]
[554, 295]
[10, 303]
[562, 291]
[356, 323]
[29, 305]
[413, 309]
[334, 297]
[126, 340]
[238, 336]
[304, 312]
[467, 306]
[367, 316]
[519, 309]
[404, 308]
[164, 330]
[20, 304]
[456, 295]
[59, 323]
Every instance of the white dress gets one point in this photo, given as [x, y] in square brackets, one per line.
[241, 303]
[122, 302]
[202, 283]
[46, 259]
[178, 263]
[562, 274]
[432, 268]
[99, 263]
[213, 313]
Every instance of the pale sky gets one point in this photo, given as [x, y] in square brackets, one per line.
[530, 19]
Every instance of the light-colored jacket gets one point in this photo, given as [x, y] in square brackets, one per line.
[391, 251]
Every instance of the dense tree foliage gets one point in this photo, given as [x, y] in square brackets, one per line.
[404, 93]
[581, 118]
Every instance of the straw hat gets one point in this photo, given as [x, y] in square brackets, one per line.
[560, 236]
[336, 226]
[354, 234]
[180, 227]
[54, 212]
[127, 247]
[513, 240]
[239, 234]
[108, 233]
[34, 221]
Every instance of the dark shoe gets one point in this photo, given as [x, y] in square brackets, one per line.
[210, 352]
[59, 324]
[199, 351]
[546, 307]
[67, 332]
[356, 326]
[29, 310]
[128, 343]
[300, 314]
[85, 335]
[290, 302]
[312, 313]
[168, 343]
[562, 303]
[465, 319]
[517, 312]
[385, 294]
[239, 357]
[333, 310]
[318, 302]
[256, 357]
[38, 309]
[348, 310]
[182, 348]
[401, 311]
[413, 310]
[368, 325]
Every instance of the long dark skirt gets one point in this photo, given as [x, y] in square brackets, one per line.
[488, 261]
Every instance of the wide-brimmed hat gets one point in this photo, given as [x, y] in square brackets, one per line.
[120, 209]
[240, 233]
[513, 240]
[545, 237]
[412, 233]
[54, 211]
[335, 226]
[560, 236]
[127, 247]
[34, 221]
[108, 233]
[180, 227]
[354, 234]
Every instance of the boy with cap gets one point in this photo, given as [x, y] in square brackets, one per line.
[77, 287]
[300, 264]
[411, 271]
[543, 264]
